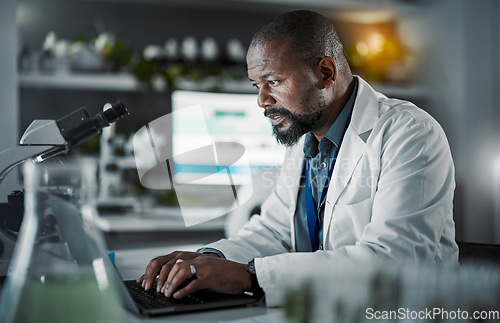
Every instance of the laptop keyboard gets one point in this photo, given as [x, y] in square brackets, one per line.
[151, 299]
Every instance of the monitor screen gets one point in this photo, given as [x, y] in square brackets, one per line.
[216, 131]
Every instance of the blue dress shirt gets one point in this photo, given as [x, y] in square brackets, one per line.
[321, 155]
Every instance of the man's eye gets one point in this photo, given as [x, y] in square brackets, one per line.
[273, 82]
[255, 85]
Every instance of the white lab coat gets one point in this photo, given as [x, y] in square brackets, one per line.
[390, 198]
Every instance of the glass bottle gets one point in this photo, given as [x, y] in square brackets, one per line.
[59, 271]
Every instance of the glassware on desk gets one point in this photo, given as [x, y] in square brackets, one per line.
[58, 272]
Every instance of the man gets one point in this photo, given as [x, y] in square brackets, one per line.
[392, 175]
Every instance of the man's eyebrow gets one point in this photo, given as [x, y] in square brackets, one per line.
[266, 75]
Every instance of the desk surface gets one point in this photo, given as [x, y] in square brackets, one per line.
[160, 218]
[131, 264]
[259, 314]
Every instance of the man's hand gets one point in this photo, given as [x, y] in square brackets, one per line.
[161, 266]
[213, 273]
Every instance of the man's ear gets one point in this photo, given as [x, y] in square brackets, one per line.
[328, 70]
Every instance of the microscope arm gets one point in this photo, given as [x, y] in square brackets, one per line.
[14, 156]
[41, 140]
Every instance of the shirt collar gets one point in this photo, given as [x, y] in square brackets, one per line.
[335, 133]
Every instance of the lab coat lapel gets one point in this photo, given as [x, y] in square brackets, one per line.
[365, 114]
[294, 169]
[349, 155]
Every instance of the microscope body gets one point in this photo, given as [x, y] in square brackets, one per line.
[42, 140]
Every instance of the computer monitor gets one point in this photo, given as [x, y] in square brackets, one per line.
[233, 121]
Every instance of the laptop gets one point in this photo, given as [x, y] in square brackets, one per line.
[86, 246]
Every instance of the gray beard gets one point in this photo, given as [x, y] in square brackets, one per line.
[298, 125]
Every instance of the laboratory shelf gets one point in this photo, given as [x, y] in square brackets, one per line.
[128, 83]
[281, 5]
[108, 81]
[123, 82]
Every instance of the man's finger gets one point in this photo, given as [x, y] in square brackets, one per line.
[175, 269]
[171, 275]
[178, 275]
[152, 270]
[164, 272]
[190, 288]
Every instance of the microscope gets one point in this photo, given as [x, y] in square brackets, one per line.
[42, 140]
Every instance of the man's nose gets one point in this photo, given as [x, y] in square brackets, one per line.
[265, 99]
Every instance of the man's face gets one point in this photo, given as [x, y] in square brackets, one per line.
[289, 90]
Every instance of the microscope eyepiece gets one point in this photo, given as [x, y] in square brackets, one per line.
[78, 126]
[111, 114]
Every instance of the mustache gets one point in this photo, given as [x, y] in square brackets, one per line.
[276, 110]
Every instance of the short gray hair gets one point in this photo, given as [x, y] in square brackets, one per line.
[311, 35]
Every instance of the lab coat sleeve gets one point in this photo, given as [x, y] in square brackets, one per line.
[412, 204]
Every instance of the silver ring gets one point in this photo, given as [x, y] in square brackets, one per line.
[193, 270]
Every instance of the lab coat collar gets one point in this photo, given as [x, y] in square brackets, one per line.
[363, 115]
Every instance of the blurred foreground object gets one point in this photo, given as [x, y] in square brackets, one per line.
[54, 276]
[362, 292]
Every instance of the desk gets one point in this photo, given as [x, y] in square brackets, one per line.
[131, 264]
